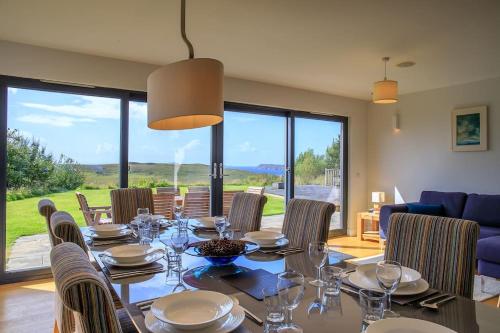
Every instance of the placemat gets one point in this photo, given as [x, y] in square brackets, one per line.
[209, 277]
[252, 282]
[155, 266]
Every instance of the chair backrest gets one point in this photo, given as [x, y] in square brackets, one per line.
[164, 204]
[198, 189]
[65, 229]
[307, 221]
[83, 291]
[246, 211]
[84, 207]
[126, 201]
[196, 204]
[442, 249]
[168, 189]
[255, 190]
[46, 208]
[227, 200]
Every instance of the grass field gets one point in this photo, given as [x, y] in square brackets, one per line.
[23, 218]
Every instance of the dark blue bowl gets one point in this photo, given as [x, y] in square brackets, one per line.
[194, 250]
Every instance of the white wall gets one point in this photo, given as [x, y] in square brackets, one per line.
[419, 157]
[36, 62]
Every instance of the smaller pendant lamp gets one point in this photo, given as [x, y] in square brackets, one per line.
[385, 91]
[188, 93]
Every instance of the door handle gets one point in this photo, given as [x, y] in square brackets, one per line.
[221, 171]
[214, 172]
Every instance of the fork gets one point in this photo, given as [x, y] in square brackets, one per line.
[435, 305]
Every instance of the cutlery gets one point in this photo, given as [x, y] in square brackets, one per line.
[253, 317]
[349, 290]
[136, 273]
[279, 250]
[433, 299]
[435, 305]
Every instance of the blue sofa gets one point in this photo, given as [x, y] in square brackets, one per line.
[481, 208]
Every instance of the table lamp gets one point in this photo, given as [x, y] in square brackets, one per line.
[377, 198]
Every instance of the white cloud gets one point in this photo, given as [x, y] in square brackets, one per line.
[246, 147]
[174, 134]
[12, 90]
[57, 121]
[85, 106]
[244, 119]
[105, 148]
[138, 110]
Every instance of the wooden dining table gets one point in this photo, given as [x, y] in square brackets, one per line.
[461, 314]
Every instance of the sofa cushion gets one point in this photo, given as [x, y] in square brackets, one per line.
[485, 232]
[489, 249]
[488, 268]
[423, 209]
[453, 202]
[484, 209]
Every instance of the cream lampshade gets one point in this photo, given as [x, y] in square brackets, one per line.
[377, 198]
[186, 94]
[385, 91]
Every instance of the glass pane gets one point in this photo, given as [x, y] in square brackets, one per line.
[318, 163]
[57, 144]
[168, 160]
[254, 159]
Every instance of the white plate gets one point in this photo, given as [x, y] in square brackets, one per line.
[104, 230]
[123, 233]
[362, 281]
[155, 256]
[224, 325]
[406, 325]
[157, 217]
[408, 275]
[192, 310]
[264, 237]
[280, 243]
[206, 222]
[130, 253]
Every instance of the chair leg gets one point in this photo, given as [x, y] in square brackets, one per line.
[56, 328]
[498, 304]
[482, 283]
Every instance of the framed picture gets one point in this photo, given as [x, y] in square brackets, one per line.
[469, 129]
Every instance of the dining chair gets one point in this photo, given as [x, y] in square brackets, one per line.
[93, 215]
[196, 204]
[442, 249]
[126, 201]
[255, 190]
[307, 221]
[65, 229]
[164, 203]
[246, 211]
[198, 189]
[168, 189]
[46, 208]
[227, 200]
[83, 291]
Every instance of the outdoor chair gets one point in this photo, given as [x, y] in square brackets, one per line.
[196, 204]
[307, 221]
[93, 215]
[126, 201]
[246, 211]
[46, 208]
[198, 189]
[168, 189]
[227, 199]
[81, 290]
[164, 204]
[255, 190]
[441, 249]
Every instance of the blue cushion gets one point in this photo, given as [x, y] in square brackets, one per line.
[485, 231]
[418, 208]
[483, 209]
[488, 249]
[453, 202]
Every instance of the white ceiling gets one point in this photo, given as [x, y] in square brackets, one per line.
[330, 46]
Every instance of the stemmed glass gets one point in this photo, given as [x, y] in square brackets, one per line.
[178, 212]
[179, 243]
[388, 277]
[318, 253]
[291, 293]
[220, 225]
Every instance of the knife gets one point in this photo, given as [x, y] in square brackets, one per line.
[253, 317]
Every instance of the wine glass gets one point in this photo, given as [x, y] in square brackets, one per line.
[142, 212]
[179, 242]
[291, 293]
[220, 225]
[388, 277]
[178, 212]
[318, 253]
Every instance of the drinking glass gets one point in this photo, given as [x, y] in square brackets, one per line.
[318, 253]
[274, 309]
[372, 305]
[228, 234]
[332, 277]
[144, 229]
[220, 225]
[155, 227]
[388, 277]
[142, 211]
[179, 242]
[178, 212]
[291, 293]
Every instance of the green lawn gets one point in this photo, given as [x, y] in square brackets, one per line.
[23, 218]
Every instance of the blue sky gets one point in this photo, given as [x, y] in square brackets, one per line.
[87, 129]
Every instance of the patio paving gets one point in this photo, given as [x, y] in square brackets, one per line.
[29, 252]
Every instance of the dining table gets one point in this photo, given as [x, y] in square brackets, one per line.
[462, 315]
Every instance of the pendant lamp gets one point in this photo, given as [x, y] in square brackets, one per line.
[385, 91]
[188, 93]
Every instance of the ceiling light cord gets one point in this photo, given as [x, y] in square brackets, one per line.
[183, 29]
[385, 60]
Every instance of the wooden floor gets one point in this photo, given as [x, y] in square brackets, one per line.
[29, 306]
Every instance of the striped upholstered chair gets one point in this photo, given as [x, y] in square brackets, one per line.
[65, 229]
[46, 208]
[227, 201]
[307, 221]
[125, 201]
[442, 249]
[246, 211]
[83, 291]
